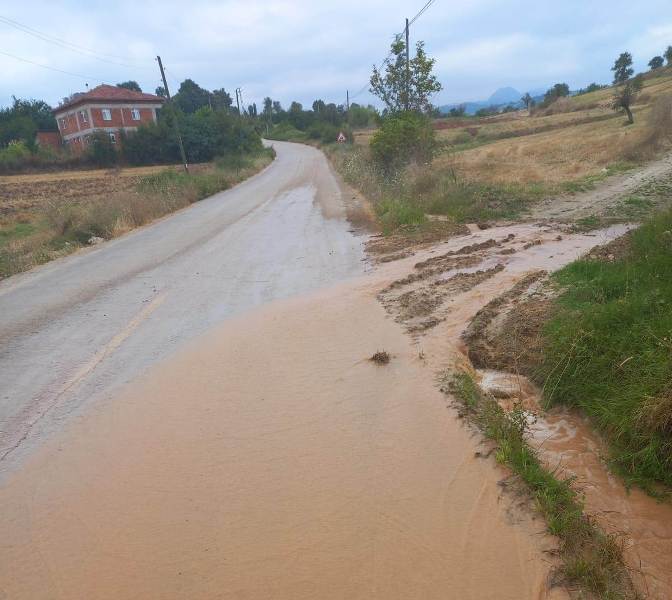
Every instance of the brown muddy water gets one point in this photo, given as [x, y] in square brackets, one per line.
[567, 443]
[271, 459]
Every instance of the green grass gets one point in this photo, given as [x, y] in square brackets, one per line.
[608, 351]
[15, 231]
[592, 561]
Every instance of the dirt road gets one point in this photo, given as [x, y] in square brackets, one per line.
[606, 196]
[75, 329]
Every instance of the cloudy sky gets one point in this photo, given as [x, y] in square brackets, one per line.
[305, 49]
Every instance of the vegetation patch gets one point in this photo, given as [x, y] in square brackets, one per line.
[54, 227]
[592, 561]
[608, 351]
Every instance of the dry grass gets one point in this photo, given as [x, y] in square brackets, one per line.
[574, 138]
[46, 216]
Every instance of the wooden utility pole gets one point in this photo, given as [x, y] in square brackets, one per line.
[177, 125]
[408, 70]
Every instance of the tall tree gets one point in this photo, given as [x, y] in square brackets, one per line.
[221, 99]
[161, 91]
[130, 85]
[623, 68]
[668, 56]
[656, 62]
[527, 100]
[191, 96]
[559, 90]
[625, 94]
[318, 106]
[252, 109]
[402, 89]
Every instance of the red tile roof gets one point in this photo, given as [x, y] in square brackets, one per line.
[109, 93]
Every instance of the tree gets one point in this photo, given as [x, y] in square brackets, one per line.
[220, 99]
[402, 89]
[130, 85]
[656, 62]
[161, 91]
[668, 56]
[402, 138]
[252, 110]
[623, 68]
[527, 100]
[191, 96]
[559, 90]
[624, 96]
[457, 111]
[23, 119]
[318, 106]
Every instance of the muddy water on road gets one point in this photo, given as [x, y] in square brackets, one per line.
[273, 460]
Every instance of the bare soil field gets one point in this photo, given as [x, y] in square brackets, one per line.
[27, 192]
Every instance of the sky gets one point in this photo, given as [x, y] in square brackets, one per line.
[307, 49]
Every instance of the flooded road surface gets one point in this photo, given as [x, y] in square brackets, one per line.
[272, 460]
[75, 329]
[269, 458]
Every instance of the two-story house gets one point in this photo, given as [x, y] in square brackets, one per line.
[104, 108]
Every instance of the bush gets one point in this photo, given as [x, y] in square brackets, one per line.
[14, 156]
[403, 138]
[101, 151]
[286, 132]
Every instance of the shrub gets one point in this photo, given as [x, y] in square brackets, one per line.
[16, 154]
[101, 151]
[403, 138]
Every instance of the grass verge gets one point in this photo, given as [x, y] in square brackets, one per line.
[406, 198]
[60, 227]
[608, 351]
[592, 561]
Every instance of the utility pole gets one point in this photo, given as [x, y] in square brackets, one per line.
[347, 100]
[238, 102]
[177, 125]
[408, 70]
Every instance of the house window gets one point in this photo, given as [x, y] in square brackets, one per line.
[135, 114]
[107, 114]
[82, 114]
[113, 138]
[64, 123]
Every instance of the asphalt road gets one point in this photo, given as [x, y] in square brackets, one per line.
[73, 331]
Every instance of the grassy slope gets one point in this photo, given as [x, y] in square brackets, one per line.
[41, 230]
[609, 351]
[494, 167]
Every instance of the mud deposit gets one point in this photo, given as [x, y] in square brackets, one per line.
[272, 459]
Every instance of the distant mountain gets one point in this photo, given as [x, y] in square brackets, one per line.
[505, 95]
[501, 98]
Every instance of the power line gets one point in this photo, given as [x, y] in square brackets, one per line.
[422, 11]
[87, 77]
[68, 45]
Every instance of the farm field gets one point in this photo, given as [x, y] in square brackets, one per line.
[47, 215]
